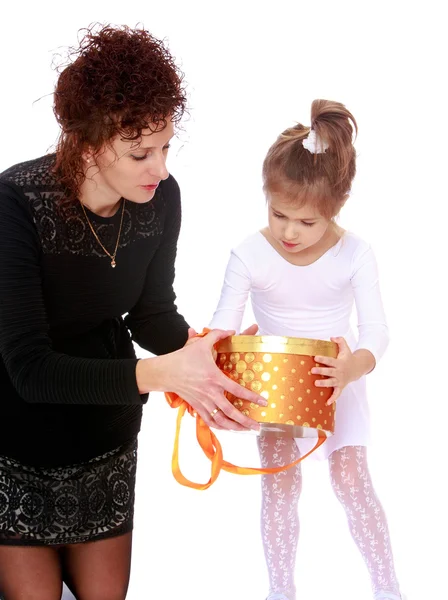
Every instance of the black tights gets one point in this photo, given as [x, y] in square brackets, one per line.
[92, 570]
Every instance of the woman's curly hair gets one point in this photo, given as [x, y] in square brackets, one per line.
[119, 81]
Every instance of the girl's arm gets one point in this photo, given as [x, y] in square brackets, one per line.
[235, 290]
[372, 326]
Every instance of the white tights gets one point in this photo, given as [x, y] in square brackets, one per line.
[350, 480]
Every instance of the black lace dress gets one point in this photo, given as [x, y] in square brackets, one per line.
[70, 409]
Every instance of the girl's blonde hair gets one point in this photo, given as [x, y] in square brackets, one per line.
[322, 180]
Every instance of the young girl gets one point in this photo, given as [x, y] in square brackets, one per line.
[303, 273]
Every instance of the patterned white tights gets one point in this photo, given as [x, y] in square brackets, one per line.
[351, 482]
[352, 485]
[279, 519]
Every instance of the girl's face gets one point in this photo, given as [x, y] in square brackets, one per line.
[295, 229]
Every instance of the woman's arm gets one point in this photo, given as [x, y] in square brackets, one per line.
[39, 374]
[154, 321]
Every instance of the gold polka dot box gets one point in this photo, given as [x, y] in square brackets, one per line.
[279, 369]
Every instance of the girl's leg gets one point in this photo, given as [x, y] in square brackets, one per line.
[279, 518]
[351, 482]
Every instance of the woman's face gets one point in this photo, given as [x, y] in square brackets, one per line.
[133, 169]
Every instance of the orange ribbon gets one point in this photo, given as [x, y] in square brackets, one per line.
[211, 447]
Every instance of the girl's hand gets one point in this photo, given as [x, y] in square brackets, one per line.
[252, 330]
[192, 336]
[340, 371]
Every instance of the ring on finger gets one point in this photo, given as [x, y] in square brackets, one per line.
[214, 412]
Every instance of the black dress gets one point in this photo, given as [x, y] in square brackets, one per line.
[70, 409]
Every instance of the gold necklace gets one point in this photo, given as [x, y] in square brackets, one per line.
[113, 263]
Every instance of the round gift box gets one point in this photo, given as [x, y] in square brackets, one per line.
[279, 369]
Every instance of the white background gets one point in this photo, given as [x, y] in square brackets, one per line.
[253, 68]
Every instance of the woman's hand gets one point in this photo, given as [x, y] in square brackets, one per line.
[192, 336]
[347, 367]
[192, 374]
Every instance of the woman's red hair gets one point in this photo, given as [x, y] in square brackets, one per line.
[119, 81]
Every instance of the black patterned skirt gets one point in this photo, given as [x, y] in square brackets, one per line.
[66, 505]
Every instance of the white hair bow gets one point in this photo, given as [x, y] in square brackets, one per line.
[314, 144]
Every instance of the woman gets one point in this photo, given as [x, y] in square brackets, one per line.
[88, 235]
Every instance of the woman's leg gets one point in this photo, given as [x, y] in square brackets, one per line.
[351, 482]
[30, 573]
[98, 570]
[279, 518]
